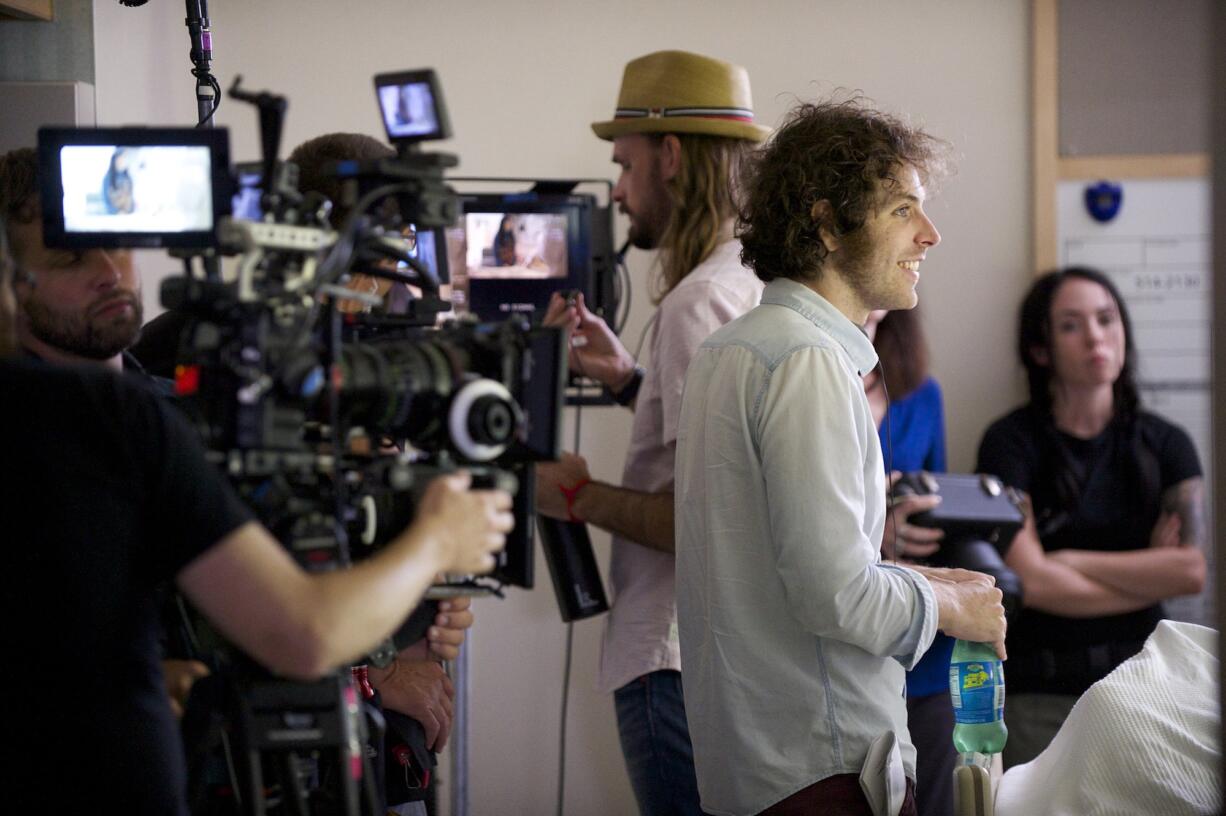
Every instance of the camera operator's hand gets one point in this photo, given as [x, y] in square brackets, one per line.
[969, 605]
[179, 676]
[569, 472]
[447, 634]
[471, 525]
[420, 689]
[905, 541]
[595, 350]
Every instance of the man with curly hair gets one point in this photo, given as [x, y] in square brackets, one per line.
[794, 635]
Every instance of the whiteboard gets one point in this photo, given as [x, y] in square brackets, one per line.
[1157, 252]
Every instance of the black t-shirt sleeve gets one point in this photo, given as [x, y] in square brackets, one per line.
[189, 506]
[1007, 451]
[1176, 454]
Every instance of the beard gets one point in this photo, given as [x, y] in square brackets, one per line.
[641, 238]
[868, 266]
[647, 230]
[87, 336]
[650, 223]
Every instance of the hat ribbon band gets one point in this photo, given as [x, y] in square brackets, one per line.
[736, 114]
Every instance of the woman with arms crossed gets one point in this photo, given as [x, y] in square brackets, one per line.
[1116, 524]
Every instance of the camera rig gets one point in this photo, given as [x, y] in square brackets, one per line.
[329, 422]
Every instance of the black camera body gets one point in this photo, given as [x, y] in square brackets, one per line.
[979, 516]
[300, 399]
[296, 396]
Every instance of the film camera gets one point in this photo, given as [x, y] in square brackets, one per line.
[279, 380]
[301, 401]
[979, 516]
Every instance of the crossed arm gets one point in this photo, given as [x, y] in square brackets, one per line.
[1174, 562]
[1087, 584]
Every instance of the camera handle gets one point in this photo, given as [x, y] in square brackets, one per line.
[272, 109]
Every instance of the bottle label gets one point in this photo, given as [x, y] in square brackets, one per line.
[977, 689]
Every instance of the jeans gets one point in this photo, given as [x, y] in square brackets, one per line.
[930, 719]
[655, 741]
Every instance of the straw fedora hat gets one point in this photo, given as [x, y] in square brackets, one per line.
[680, 92]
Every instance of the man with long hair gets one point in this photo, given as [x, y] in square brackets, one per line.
[682, 127]
[794, 634]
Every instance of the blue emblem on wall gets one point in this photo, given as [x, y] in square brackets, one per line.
[1103, 200]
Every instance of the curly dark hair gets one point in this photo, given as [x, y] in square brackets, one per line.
[19, 179]
[842, 152]
[315, 156]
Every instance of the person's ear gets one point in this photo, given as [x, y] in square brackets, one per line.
[1040, 355]
[823, 214]
[669, 156]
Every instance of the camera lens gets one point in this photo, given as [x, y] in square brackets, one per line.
[491, 421]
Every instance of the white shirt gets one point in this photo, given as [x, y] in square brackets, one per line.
[1144, 739]
[794, 635]
[641, 628]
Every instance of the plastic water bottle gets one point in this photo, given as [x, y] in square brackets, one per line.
[977, 689]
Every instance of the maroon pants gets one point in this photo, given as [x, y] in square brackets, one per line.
[838, 795]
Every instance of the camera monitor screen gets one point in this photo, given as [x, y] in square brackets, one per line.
[133, 187]
[412, 106]
[515, 245]
[245, 203]
[509, 253]
[423, 247]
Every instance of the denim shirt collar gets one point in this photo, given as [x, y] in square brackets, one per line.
[816, 309]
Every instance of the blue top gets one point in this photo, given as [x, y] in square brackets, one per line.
[917, 435]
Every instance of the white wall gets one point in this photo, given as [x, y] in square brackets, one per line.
[522, 81]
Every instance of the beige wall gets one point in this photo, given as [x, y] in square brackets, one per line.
[959, 67]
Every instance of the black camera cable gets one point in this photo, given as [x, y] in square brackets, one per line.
[570, 645]
[624, 290]
[570, 626]
[890, 498]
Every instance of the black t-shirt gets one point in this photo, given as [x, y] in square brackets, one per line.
[1117, 479]
[105, 492]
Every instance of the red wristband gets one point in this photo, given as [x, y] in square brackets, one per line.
[570, 493]
[362, 678]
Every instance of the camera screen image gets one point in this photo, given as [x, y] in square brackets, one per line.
[509, 252]
[245, 204]
[409, 110]
[422, 246]
[425, 249]
[512, 245]
[136, 189]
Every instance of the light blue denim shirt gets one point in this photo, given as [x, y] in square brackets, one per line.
[794, 634]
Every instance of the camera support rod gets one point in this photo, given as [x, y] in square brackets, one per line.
[208, 92]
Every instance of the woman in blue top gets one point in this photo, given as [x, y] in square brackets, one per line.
[912, 433]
